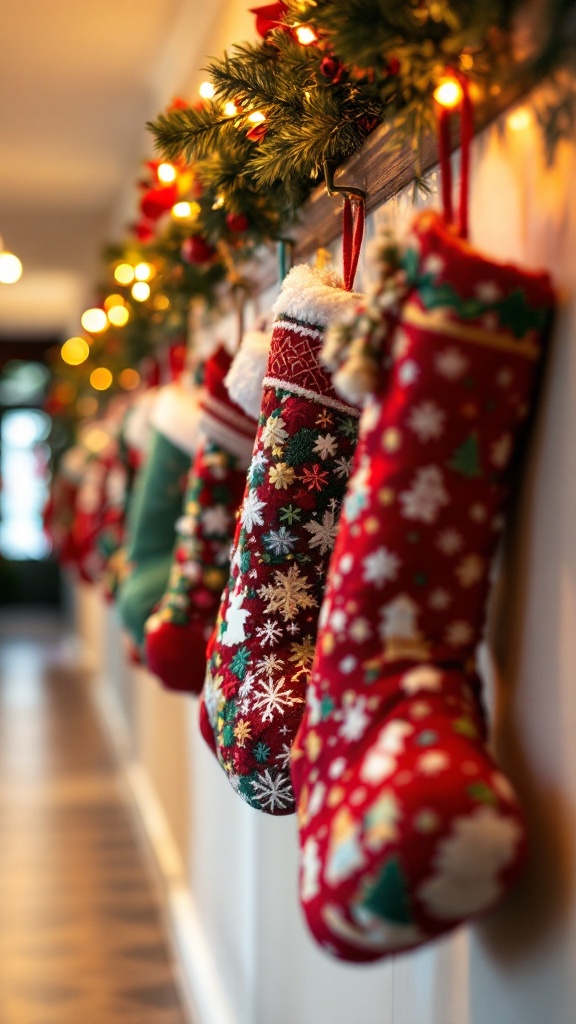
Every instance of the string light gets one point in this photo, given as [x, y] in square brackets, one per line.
[207, 90]
[448, 93]
[75, 351]
[143, 271]
[94, 320]
[140, 291]
[520, 119]
[10, 268]
[161, 302]
[256, 117]
[113, 300]
[129, 379]
[118, 316]
[305, 35]
[230, 109]
[182, 210]
[124, 273]
[101, 378]
[166, 173]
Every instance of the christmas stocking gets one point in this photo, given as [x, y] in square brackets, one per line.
[133, 444]
[156, 504]
[407, 825]
[178, 631]
[260, 653]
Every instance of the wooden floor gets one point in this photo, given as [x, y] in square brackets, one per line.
[81, 937]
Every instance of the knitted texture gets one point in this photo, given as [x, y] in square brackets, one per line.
[407, 825]
[261, 651]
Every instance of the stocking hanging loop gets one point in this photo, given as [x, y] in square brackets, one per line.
[457, 98]
[353, 220]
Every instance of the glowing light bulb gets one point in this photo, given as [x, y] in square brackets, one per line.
[520, 119]
[94, 321]
[118, 316]
[207, 90]
[124, 273]
[182, 210]
[101, 378]
[140, 291]
[75, 351]
[129, 379]
[161, 302]
[166, 173]
[256, 117]
[143, 271]
[10, 268]
[448, 93]
[113, 300]
[306, 35]
[230, 109]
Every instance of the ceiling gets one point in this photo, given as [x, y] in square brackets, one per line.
[79, 80]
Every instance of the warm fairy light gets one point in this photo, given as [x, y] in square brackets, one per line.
[207, 90]
[166, 173]
[140, 291]
[466, 61]
[113, 300]
[182, 210]
[118, 316]
[256, 117]
[448, 93]
[10, 268]
[143, 271]
[230, 109]
[129, 379]
[305, 35]
[124, 273]
[161, 302]
[94, 320]
[75, 351]
[101, 378]
[218, 202]
[520, 119]
[96, 439]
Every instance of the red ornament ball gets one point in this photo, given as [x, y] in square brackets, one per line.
[237, 223]
[332, 68]
[196, 250]
[157, 201]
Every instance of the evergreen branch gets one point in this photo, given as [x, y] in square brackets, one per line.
[189, 133]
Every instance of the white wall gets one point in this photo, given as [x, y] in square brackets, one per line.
[231, 873]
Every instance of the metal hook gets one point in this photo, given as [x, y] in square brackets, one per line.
[335, 190]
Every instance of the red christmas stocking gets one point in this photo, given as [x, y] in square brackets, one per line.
[179, 629]
[261, 650]
[407, 825]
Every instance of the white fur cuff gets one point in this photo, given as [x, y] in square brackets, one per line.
[176, 415]
[314, 296]
[245, 376]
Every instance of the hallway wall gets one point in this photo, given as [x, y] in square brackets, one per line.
[230, 874]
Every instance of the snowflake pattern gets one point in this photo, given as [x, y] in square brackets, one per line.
[427, 421]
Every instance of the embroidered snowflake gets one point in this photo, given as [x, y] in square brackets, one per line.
[259, 460]
[281, 476]
[360, 630]
[242, 731]
[273, 698]
[355, 719]
[314, 478]
[247, 685]
[379, 567]
[439, 599]
[284, 756]
[449, 542]
[488, 292]
[251, 514]
[408, 372]
[301, 654]
[185, 526]
[459, 633]
[269, 633]
[451, 364]
[427, 421]
[288, 594]
[274, 433]
[273, 792]
[324, 419]
[325, 445]
[470, 570]
[216, 520]
[342, 468]
[432, 762]
[270, 664]
[279, 542]
[323, 535]
[426, 496]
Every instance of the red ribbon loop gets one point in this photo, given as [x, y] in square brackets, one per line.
[466, 133]
[353, 220]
